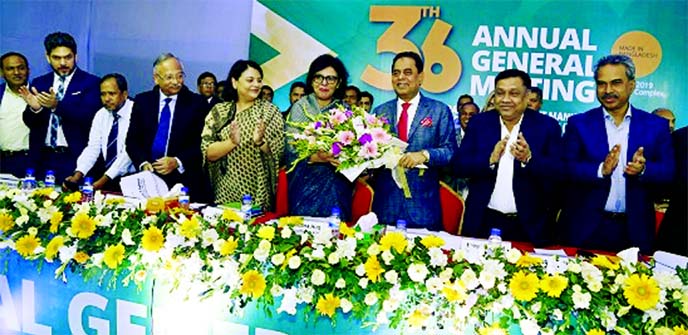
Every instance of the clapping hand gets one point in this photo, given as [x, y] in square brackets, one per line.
[36, 99]
[520, 149]
[637, 165]
[235, 132]
[259, 133]
[498, 150]
[611, 161]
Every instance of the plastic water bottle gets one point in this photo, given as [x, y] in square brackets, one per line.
[184, 198]
[334, 221]
[49, 179]
[495, 239]
[246, 206]
[87, 190]
[29, 182]
[401, 226]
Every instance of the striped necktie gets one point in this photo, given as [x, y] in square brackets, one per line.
[112, 141]
[54, 118]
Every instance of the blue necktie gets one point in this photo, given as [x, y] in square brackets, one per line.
[112, 142]
[160, 141]
[55, 119]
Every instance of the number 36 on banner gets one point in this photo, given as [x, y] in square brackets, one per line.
[404, 19]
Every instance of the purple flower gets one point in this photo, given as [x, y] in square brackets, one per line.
[336, 148]
[365, 138]
[348, 113]
[317, 125]
[384, 120]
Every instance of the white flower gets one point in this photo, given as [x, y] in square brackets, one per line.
[654, 314]
[294, 262]
[97, 259]
[346, 305]
[333, 258]
[495, 267]
[437, 257]
[487, 279]
[32, 231]
[387, 257]
[667, 280]
[434, 284]
[173, 240]
[277, 259]
[126, 237]
[373, 249]
[382, 318]
[574, 267]
[20, 221]
[323, 237]
[392, 277]
[469, 279]
[608, 320]
[318, 253]
[243, 258]
[276, 291]
[513, 255]
[370, 299]
[446, 274]
[529, 327]
[536, 307]
[581, 300]
[318, 277]
[243, 229]
[305, 294]
[53, 195]
[67, 253]
[288, 302]
[346, 248]
[363, 283]
[595, 286]
[341, 283]
[286, 232]
[557, 315]
[360, 270]
[417, 272]
[555, 265]
[262, 252]
[458, 255]
[209, 237]
[502, 287]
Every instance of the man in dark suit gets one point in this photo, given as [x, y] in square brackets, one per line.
[14, 134]
[206, 84]
[165, 129]
[511, 155]
[427, 126]
[673, 232]
[615, 156]
[61, 107]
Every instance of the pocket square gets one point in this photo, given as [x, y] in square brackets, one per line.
[426, 122]
[76, 93]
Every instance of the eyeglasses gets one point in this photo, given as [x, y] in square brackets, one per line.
[169, 77]
[318, 78]
[210, 84]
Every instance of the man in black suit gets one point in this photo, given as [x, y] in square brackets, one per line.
[60, 108]
[165, 130]
[673, 232]
[206, 83]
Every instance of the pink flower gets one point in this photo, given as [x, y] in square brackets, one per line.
[338, 118]
[368, 150]
[371, 119]
[346, 137]
[380, 135]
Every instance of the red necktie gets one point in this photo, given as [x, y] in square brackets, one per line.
[402, 126]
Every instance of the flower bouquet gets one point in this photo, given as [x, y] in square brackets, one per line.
[357, 139]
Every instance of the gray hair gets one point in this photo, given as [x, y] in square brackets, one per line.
[163, 57]
[615, 60]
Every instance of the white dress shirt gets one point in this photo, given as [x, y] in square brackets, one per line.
[616, 200]
[502, 198]
[14, 134]
[98, 142]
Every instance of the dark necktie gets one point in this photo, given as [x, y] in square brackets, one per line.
[402, 125]
[54, 118]
[112, 141]
[160, 141]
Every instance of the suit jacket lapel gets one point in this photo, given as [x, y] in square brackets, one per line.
[599, 130]
[633, 134]
[422, 112]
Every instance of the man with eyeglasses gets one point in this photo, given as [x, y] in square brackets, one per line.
[206, 83]
[427, 126]
[60, 108]
[165, 131]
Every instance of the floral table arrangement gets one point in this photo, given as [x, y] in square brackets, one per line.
[380, 278]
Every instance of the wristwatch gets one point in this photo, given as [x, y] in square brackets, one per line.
[427, 155]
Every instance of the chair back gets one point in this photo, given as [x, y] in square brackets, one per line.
[362, 202]
[452, 206]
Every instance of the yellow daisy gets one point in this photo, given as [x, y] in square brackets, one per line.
[524, 286]
[53, 247]
[6, 221]
[680, 330]
[327, 305]
[417, 318]
[81, 257]
[606, 262]
[73, 197]
[252, 283]
[373, 269]
[345, 230]
[55, 221]
[594, 332]
[266, 232]
[554, 285]
[527, 260]
[113, 256]
[495, 329]
[394, 240]
[641, 291]
[155, 204]
[152, 239]
[231, 216]
[432, 241]
[229, 246]
[290, 221]
[455, 292]
[27, 244]
[190, 228]
[83, 226]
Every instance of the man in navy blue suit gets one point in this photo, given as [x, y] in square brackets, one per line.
[511, 155]
[165, 130]
[61, 107]
[615, 157]
[427, 126]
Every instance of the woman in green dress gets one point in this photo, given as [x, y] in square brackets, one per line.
[243, 140]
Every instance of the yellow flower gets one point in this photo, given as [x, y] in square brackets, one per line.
[594, 332]
[43, 191]
[27, 244]
[417, 318]
[527, 260]
[155, 204]
[252, 283]
[432, 241]
[290, 221]
[83, 226]
[73, 197]
[455, 292]
[524, 286]
[641, 291]
[152, 239]
[394, 240]
[6, 221]
[327, 305]
[606, 262]
[554, 285]
[114, 201]
[113, 256]
[493, 330]
[266, 232]
[55, 221]
[373, 269]
[229, 246]
[190, 228]
[53, 247]
[345, 230]
[232, 216]
[81, 257]
[680, 330]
